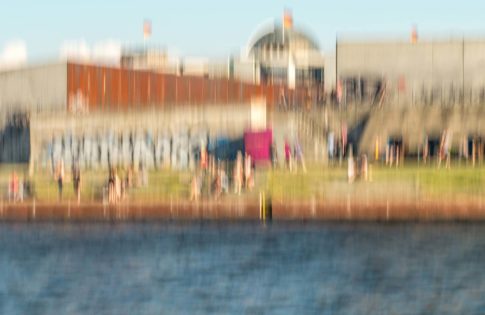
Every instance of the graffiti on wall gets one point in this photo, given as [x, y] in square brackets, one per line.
[177, 150]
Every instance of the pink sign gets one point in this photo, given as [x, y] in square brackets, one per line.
[258, 144]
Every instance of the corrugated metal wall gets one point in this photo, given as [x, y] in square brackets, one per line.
[94, 88]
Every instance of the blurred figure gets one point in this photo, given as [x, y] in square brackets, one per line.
[212, 165]
[274, 155]
[445, 148]
[123, 182]
[238, 173]
[117, 187]
[248, 171]
[59, 175]
[299, 159]
[391, 155]
[464, 150]
[21, 186]
[425, 150]
[287, 154]
[111, 186]
[203, 157]
[210, 175]
[195, 187]
[129, 177]
[28, 187]
[224, 181]
[143, 175]
[13, 187]
[76, 181]
[344, 138]
[331, 145]
[351, 166]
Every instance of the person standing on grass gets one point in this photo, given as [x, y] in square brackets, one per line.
[247, 170]
[447, 148]
[13, 187]
[351, 166]
[224, 181]
[195, 187]
[111, 186]
[330, 145]
[287, 154]
[274, 155]
[60, 177]
[76, 181]
[203, 156]
[299, 156]
[441, 152]
[21, 189]
[117, 187]
[129, 177]
[238, 174]
[425, 149]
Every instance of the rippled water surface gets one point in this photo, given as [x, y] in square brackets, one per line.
[242, 268]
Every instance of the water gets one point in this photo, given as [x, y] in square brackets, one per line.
[242, 268]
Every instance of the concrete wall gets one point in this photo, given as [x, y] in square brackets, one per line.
[445, 67]
[40, 88]
[475, 64]
[184, 127]
[413, 124]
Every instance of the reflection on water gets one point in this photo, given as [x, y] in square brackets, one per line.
[220, 267]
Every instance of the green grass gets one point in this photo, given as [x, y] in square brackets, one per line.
[319, 181]
[162, 185]
[429, 180]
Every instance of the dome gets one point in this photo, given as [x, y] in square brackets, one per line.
[277, 37]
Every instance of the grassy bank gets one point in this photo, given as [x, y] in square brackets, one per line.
[325, 183]
[428, 180]
[162, 185]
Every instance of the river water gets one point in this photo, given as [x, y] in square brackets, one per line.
[242, 268]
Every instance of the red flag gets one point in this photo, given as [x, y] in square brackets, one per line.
[287, 19]
[147, 29]
[414, 35]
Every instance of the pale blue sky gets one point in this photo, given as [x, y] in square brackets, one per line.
[220, 27]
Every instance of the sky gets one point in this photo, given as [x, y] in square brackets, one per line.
[48, 30]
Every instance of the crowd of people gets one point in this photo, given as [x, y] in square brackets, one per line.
[213, 179]
[120, 180]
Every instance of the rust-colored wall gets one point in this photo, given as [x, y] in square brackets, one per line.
[112, 89]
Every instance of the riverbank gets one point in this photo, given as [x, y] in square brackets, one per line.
[343, 210]
[405, 193]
